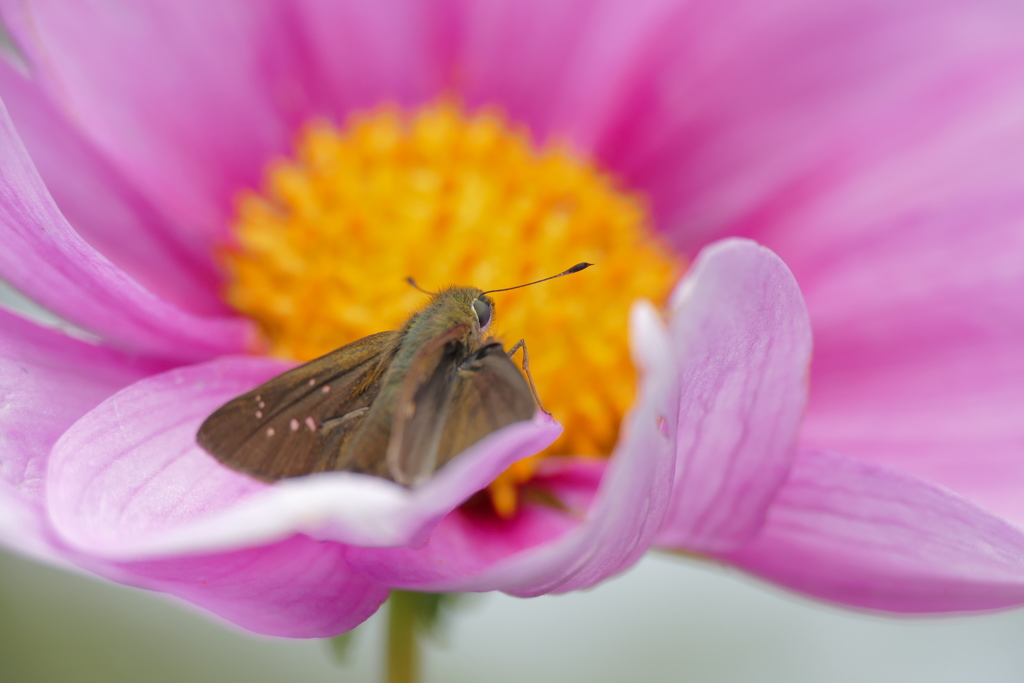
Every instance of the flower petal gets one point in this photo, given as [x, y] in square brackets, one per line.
[190, 100]
[49, 262]
[48, 380]
[867, 535]
[742, 339]
[565, 68]
[543, 552]
[364, 54]
[22, 527]
[296, 588]
[742, 111]
[104, 208]
[129, 481]
[926, 373]
[472, 539]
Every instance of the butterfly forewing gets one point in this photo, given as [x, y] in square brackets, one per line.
[298, 422]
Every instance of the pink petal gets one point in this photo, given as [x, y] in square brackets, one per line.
[189, 99]
[867, 535]
[47, 381]
[926, 373]
[742, 339]
[103, 207]
[898, 209]
[557, 67]
[22, 526]
[128, 480]
[472, 539]
[364, 54]
[296, 588]
[565, 69]
[742, 111]
[45, 259]
[542, 551]
[949, 147]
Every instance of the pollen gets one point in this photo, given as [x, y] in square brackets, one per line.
[321, 253]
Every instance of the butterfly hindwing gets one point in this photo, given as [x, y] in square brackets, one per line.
[422, 405]
[297, 422]
[490, 393]
[457, 399]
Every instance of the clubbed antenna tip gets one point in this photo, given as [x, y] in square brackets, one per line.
[575, 269]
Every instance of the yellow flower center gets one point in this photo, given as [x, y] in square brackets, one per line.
[323, 251]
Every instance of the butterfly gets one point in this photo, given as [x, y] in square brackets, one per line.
[397, 404]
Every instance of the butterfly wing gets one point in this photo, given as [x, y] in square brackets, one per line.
[454, 403]
[297, 422]
[422, 406]
[491, 393]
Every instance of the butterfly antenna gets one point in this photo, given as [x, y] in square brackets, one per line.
[416, 286]
[575, 269]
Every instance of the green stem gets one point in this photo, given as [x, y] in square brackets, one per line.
[403, 654]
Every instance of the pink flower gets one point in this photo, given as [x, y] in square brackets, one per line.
[877, 147]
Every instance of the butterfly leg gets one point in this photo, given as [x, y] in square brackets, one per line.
[521, 344]
[338, 421]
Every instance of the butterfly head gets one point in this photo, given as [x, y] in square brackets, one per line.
[478, 306]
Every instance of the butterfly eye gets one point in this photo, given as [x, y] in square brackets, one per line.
[483, 310]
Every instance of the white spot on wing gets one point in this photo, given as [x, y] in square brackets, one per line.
[294, 425]
[311, 424]
[270, 431]
[326, 389]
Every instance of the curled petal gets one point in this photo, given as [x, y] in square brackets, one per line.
[542, 551]
[295, 588]
[22, 527]
[742, 340]
[129, 481]
[863, 534]
[905, 235]
[49, 262]
[47, 381]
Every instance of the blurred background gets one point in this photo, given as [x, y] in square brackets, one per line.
[669, 619]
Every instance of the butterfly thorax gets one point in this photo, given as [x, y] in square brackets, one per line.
[450, 308]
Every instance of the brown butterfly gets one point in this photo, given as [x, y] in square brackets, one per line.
[396, 404]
